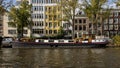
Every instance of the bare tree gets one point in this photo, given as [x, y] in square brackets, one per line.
[68, 10]
[94, 10]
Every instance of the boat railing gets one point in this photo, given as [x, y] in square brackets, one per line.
[98, 40]
[68, 40]
[54, 40]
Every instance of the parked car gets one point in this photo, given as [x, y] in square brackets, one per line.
[7, 42]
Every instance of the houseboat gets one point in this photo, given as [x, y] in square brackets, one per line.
[85, 41]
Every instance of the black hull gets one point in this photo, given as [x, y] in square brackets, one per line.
[59, 45]
[7, 46]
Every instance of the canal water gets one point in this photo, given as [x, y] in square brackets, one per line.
[60, 58]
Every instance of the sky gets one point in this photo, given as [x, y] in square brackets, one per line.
[110, 2]
[12, 0]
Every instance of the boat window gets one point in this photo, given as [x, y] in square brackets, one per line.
[70, 40]
[61, 40]
[51, 40]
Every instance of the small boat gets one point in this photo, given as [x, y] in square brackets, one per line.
[43, 43]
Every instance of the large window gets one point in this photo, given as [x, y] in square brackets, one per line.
[38, 23]
[52, 1]
[38, 31]
[37, 8]
[37, 16]
[37, 1]
[11, 31]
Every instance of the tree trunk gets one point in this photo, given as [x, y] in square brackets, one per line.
[92, 27]
[31, 32]
[22, 31]
[73, 30]
[73, 21]
[97, 29]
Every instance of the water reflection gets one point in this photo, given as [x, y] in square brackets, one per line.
[60, 58]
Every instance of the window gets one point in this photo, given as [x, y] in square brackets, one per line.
[55, 31]
[116, 13]
[110, 27]
[80, 21]
[50, 17]
[80, 27]
[25, 31]
[110, 21]
[38, 31]
[37, 16]
[75, 27]
[58, 23]
[50, 31]
[0, 24]
[55, 24]
[11, 31]
[50, 9]
[33, 1]
[46, 24]
[38, 23]
[116, 20]
[64, 25]
[55, 17]
[116, 27]
[84, 21]
[84, 27]
[119, 13]
[46, 1]
[75, 21]
[46, 31]
[1, 17]
[50, 24]
[46, 17]
[105, 27]
[33, 8]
